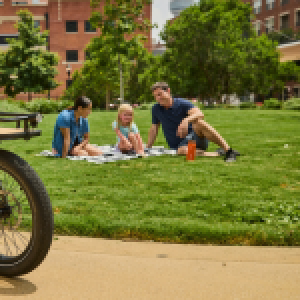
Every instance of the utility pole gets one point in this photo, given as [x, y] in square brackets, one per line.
[121, 81]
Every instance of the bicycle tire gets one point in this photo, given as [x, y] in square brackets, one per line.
[42, 216]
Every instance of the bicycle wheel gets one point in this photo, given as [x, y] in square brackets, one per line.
[26, 218]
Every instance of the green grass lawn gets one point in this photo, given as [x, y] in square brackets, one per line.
[254, 201]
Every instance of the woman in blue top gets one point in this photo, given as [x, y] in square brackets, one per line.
[71, 131]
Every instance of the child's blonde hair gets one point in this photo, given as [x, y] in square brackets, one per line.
[124, 107]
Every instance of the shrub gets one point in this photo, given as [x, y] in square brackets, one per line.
[272, 103]
[46, 106]
[228, 106]
[293, 103]
[200, 105]
[146, 106]
[11, 106]
[247, 105]
[210, 105]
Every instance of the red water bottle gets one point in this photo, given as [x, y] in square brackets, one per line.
[191, 153]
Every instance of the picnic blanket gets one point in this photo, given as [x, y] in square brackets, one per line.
[111, 154]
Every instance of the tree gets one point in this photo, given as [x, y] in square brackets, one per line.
[288, 72]
[143, 74]
[213, 50]
[98, 79]
[23, 67]
[118, 44]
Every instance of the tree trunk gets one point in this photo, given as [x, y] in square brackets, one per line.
[29, 96]
[227, 101]
[282, 100]
[107, 97]
[219, 98]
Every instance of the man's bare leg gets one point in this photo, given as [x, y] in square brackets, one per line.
[203, 129]
[184, 149]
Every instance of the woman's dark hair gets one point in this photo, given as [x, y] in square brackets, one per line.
[82, 101]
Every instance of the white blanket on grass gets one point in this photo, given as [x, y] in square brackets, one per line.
[111, 154]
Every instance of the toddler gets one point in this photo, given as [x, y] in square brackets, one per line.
[128, 137]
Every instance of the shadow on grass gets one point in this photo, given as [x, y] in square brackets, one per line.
[192, 197]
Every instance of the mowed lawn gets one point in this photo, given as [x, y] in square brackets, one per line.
[254, 201]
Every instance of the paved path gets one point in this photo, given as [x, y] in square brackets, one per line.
[86, 268]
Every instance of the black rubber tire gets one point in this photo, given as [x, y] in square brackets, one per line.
[42, 216]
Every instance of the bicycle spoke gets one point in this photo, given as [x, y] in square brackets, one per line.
[6, 243]
[22, 238]
[13, 240]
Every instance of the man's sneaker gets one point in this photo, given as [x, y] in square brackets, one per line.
[222, 152]
[230, 156]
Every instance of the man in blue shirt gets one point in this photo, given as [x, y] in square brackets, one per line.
[181, 121]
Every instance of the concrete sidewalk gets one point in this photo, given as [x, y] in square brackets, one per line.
[86, 268]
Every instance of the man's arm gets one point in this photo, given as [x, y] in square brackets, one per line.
[66, 135]
[152, 134]
[193, 115]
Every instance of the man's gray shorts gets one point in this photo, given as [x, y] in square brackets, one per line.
[201, 142]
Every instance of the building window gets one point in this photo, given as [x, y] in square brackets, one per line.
[269, 25]
[296, 91]
[3, 38]
[284, 21]
[298, 18]
[37, 24]
[72, 55]
[46, 16]
[68, 83]
[284, 2]
[270, 4]
[257, 27]
[71, 26]
[88, 27]
[19, 3]
[257, 7]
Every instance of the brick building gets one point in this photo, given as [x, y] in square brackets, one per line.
[69, 32]
[280, 15]
[275, 14]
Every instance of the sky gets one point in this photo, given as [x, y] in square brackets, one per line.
[160, 14]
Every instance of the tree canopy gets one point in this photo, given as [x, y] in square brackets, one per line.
[120, 42]
[24, 67]
[214, 50]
